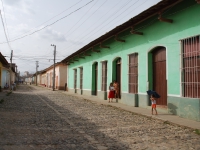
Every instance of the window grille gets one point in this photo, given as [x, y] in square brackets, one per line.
[75, 78]
[190, 69]
[104, 76]
[81, 78]
[133, 73]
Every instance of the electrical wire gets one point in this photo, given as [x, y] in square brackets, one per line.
[96, 28]
[156, 19]
[31, 61]
[49, 24]
[5, 18]
[37, 59]
[82, 17]
[90, 16]
[146, 25]
[22, 56]
[5, 32]
[106, 25]
[86, 38]
[50, 19]
[151, 21]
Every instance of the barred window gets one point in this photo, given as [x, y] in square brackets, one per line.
[81, 78]
[133, 73]
[104, 76]
[75, 78]
[190, 69]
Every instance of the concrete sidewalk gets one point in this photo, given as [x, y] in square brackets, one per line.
[173, 119]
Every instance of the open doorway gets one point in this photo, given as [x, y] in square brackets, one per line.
[94, 78]
[116, 72]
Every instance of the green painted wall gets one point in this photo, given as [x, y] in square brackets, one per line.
[184, 107]
[186, 23]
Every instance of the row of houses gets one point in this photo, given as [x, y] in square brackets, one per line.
[45, 77]
[159, 49]
[7, 76]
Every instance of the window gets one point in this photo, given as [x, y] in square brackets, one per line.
[104, 76]
[75, 78]
[81, 78]
[190, 69]
[133, 73]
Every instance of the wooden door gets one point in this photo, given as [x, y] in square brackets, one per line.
[159, 75]
[96, 79]
[118, 74]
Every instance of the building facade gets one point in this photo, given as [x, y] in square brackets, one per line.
[45, 77]
[6, 75]
[158, 49]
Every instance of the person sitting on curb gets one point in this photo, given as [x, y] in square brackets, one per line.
[6, 86]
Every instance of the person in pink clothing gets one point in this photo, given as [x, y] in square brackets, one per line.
[111, 93]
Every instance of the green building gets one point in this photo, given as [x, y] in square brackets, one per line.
[159, 49]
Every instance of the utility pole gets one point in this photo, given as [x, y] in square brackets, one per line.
[11, 55]
[36, 71]
[16, 73]
[19, 76]
[54, 53]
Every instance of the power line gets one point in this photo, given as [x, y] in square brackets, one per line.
[112, 13]
[50, 19]
[5, 17]
[90, 16]
[82, 16]
[112, 20]
[96, 28]
[5, 32]
[106, 14]
[32, 61]
[21, 56]
[49, 24]
[153, 19]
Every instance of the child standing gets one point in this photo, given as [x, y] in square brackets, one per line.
[153, 104]
[116, 87]
[111, 94]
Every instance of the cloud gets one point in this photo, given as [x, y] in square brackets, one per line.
[19, 30]
[50, 34]
[74, 42]
[23, 6]
[13, 2]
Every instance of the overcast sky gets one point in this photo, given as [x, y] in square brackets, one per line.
[33, 25]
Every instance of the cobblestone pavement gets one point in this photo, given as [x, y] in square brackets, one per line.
[34, 118]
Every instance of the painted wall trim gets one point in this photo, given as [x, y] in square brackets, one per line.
[142, 93]
[173, 95]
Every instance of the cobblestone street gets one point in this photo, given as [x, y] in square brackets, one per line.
[37, 118]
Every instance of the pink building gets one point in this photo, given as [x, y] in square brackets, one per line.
[46, 76]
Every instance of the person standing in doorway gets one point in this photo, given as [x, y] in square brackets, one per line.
[116, 87]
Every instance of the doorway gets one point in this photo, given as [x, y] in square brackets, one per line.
[94, 78]
[159, 74]
[117, 73]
